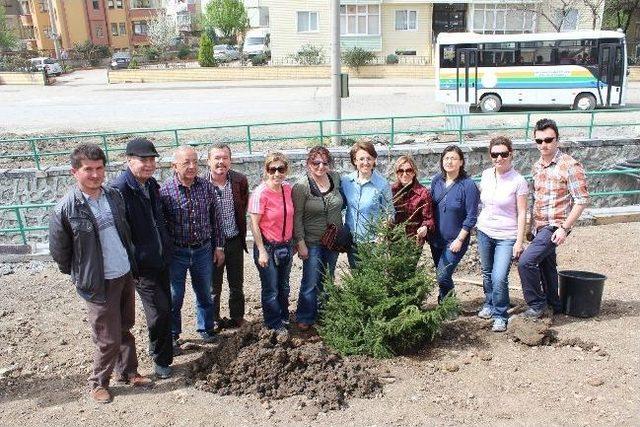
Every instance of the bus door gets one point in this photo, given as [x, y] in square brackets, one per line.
[467, 75]
[610, 73]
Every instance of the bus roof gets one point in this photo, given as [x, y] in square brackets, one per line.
[456, 38]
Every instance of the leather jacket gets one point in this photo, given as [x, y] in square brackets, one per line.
[74, 242]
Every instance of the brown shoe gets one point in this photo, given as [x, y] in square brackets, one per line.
[101, 395]
[304, 326]
[138, 380]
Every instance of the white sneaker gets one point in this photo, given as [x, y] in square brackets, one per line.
[485, 313]
[499, 325]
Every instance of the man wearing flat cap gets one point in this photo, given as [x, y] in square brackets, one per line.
[152, 247]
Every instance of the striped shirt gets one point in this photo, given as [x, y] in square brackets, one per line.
[557, 186]
[192, 213]
[227, 210]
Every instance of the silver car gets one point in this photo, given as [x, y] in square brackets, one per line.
[50, 66]
[226, 53]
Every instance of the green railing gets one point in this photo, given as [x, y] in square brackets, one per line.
[36, 149]
[23, 229]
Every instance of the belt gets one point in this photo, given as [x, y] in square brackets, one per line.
[194, 245]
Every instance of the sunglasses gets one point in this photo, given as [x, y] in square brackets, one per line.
[407, 171]
[319, 162]
[503, 154]
[271, 170]
[547, 140]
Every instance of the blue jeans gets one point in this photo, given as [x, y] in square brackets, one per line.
[199, 262]
[539, 272]
[275, 289]
[495, 256]
[446, 263]
[321, 261]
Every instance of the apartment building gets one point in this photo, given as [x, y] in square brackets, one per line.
[404, 26]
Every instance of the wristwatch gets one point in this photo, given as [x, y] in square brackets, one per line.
[566, 230]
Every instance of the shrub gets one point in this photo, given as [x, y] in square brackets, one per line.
[14, 63]
[309, 55]
[378, 309]
[184, 52]
[133, 65]
[392, 58]
[357, 57]
[90, 53]
[258, 59]
[151, 53]
[205, 53]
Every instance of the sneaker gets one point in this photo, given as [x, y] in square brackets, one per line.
[485, 313]
[137, 380]
[304, 326]
[234, 323]
[499, 325]
[162, 372]
[282, 331]
[532, 313]
[208, 337]
[101, 395]
[177, 350]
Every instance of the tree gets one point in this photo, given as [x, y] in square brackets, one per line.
[618, 13]
[555, 12]
[162, 32]
[227, 16]
[205, 53]
[595, 7]
[8, 38]
[357, 57]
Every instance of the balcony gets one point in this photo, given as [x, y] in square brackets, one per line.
[146, 4]
[26, 20]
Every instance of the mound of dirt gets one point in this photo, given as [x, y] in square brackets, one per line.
[271, 366]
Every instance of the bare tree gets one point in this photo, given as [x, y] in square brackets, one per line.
[555, 12]
[162, 32]
[596, 8]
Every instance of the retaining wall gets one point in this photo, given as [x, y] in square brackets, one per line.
[23, 186]
[11, 78]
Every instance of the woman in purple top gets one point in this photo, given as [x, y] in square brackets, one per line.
[503, 195]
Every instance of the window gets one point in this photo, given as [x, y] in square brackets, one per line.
[99, 31]
[123, 28]
[580, 52]
[360, 19]
[496, 18]
[141, 4]
[406, 20]
[447, 56]
[119, 4]
[43, 5]
[307, 22]
[114, 29]
[538, 53]
[110, 4]
[96, 5]
[140, 28]
[569, 21]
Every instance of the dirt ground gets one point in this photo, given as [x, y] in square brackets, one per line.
[587, 375]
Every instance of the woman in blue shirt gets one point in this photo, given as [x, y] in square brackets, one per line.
[455, 204]
[367, 196]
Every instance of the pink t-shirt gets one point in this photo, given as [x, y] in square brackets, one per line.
[268, 203]
[498, 218]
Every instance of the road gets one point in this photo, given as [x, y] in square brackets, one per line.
[83, 101]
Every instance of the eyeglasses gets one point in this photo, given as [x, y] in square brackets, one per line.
[319, 162]
[547, 140]
[407, 171]
[272, 170]
[496, 154]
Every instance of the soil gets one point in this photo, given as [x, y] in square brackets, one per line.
[580, 372]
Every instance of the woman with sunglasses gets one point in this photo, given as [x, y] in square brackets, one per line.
[367, 197]
[317, 203]
[412, 201]
[271, 210]
[455, 200]
[501, 228]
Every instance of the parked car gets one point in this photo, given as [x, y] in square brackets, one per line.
[120, 60]
[50, 66]
[257, 42]
[226, 53]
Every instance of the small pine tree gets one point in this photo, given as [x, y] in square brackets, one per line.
[377, 310]
[205, 53]
[357, 57]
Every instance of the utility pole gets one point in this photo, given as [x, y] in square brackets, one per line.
[54, 29]
[336, 101]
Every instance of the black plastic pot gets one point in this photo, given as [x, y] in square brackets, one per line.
[581, 292]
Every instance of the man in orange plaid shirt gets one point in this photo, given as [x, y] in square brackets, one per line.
[560, 196]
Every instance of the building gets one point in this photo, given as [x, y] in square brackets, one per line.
[406, 27]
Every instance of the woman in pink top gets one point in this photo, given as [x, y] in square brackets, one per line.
[503, 197]
[271, 211]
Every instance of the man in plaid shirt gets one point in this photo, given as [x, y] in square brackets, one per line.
[560, 196]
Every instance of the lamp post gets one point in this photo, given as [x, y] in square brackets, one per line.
[336, 101]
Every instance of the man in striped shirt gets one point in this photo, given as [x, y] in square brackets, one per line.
[192, 214]
[560, 196]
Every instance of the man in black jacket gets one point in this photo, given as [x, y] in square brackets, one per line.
[152, 247]
[90, 240]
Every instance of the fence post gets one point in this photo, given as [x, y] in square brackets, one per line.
[321, 132]
[176, 140]
[36, 156]
[593, 114]
[20, 225]
[249, 139]
[106, 146]
[526, 131]
[393, 132]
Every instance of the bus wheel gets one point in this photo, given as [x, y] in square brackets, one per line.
[584, 102]
[490, 104]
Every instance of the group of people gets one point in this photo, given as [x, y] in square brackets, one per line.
[138, 234]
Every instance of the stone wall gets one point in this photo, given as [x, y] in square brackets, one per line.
[24, 186]
[16, 78]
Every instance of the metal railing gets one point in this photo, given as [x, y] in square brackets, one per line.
[22, 229]
[38, 149]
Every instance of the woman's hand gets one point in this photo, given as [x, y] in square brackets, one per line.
[517, 250]
[303, 252]
[421, 233]
[263, 257]
[456, 245]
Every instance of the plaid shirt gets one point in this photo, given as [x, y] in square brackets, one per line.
[227, 210]
[192, 213]
[557, 186]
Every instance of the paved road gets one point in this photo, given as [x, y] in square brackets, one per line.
[83, 101]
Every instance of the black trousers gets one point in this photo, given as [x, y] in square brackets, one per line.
[155, 293]
[234, 264]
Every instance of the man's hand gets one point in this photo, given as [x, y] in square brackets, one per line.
[303, 251]
[218, 257]
[559, 236]
[455, 246]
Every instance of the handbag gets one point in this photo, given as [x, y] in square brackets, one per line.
[337, 238]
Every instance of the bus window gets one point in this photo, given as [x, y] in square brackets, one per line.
[578, 52]
[539, 53]
[447, 56]
[497, 55]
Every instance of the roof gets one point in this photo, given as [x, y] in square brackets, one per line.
[454, 38]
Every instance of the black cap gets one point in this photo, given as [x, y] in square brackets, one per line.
[141, 147]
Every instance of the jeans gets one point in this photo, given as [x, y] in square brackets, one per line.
[539, 273]
[446, 263]
[321, 261]
[495, 257]
[234, 264]
[199, 262]
[155, 295]
[274, 280]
